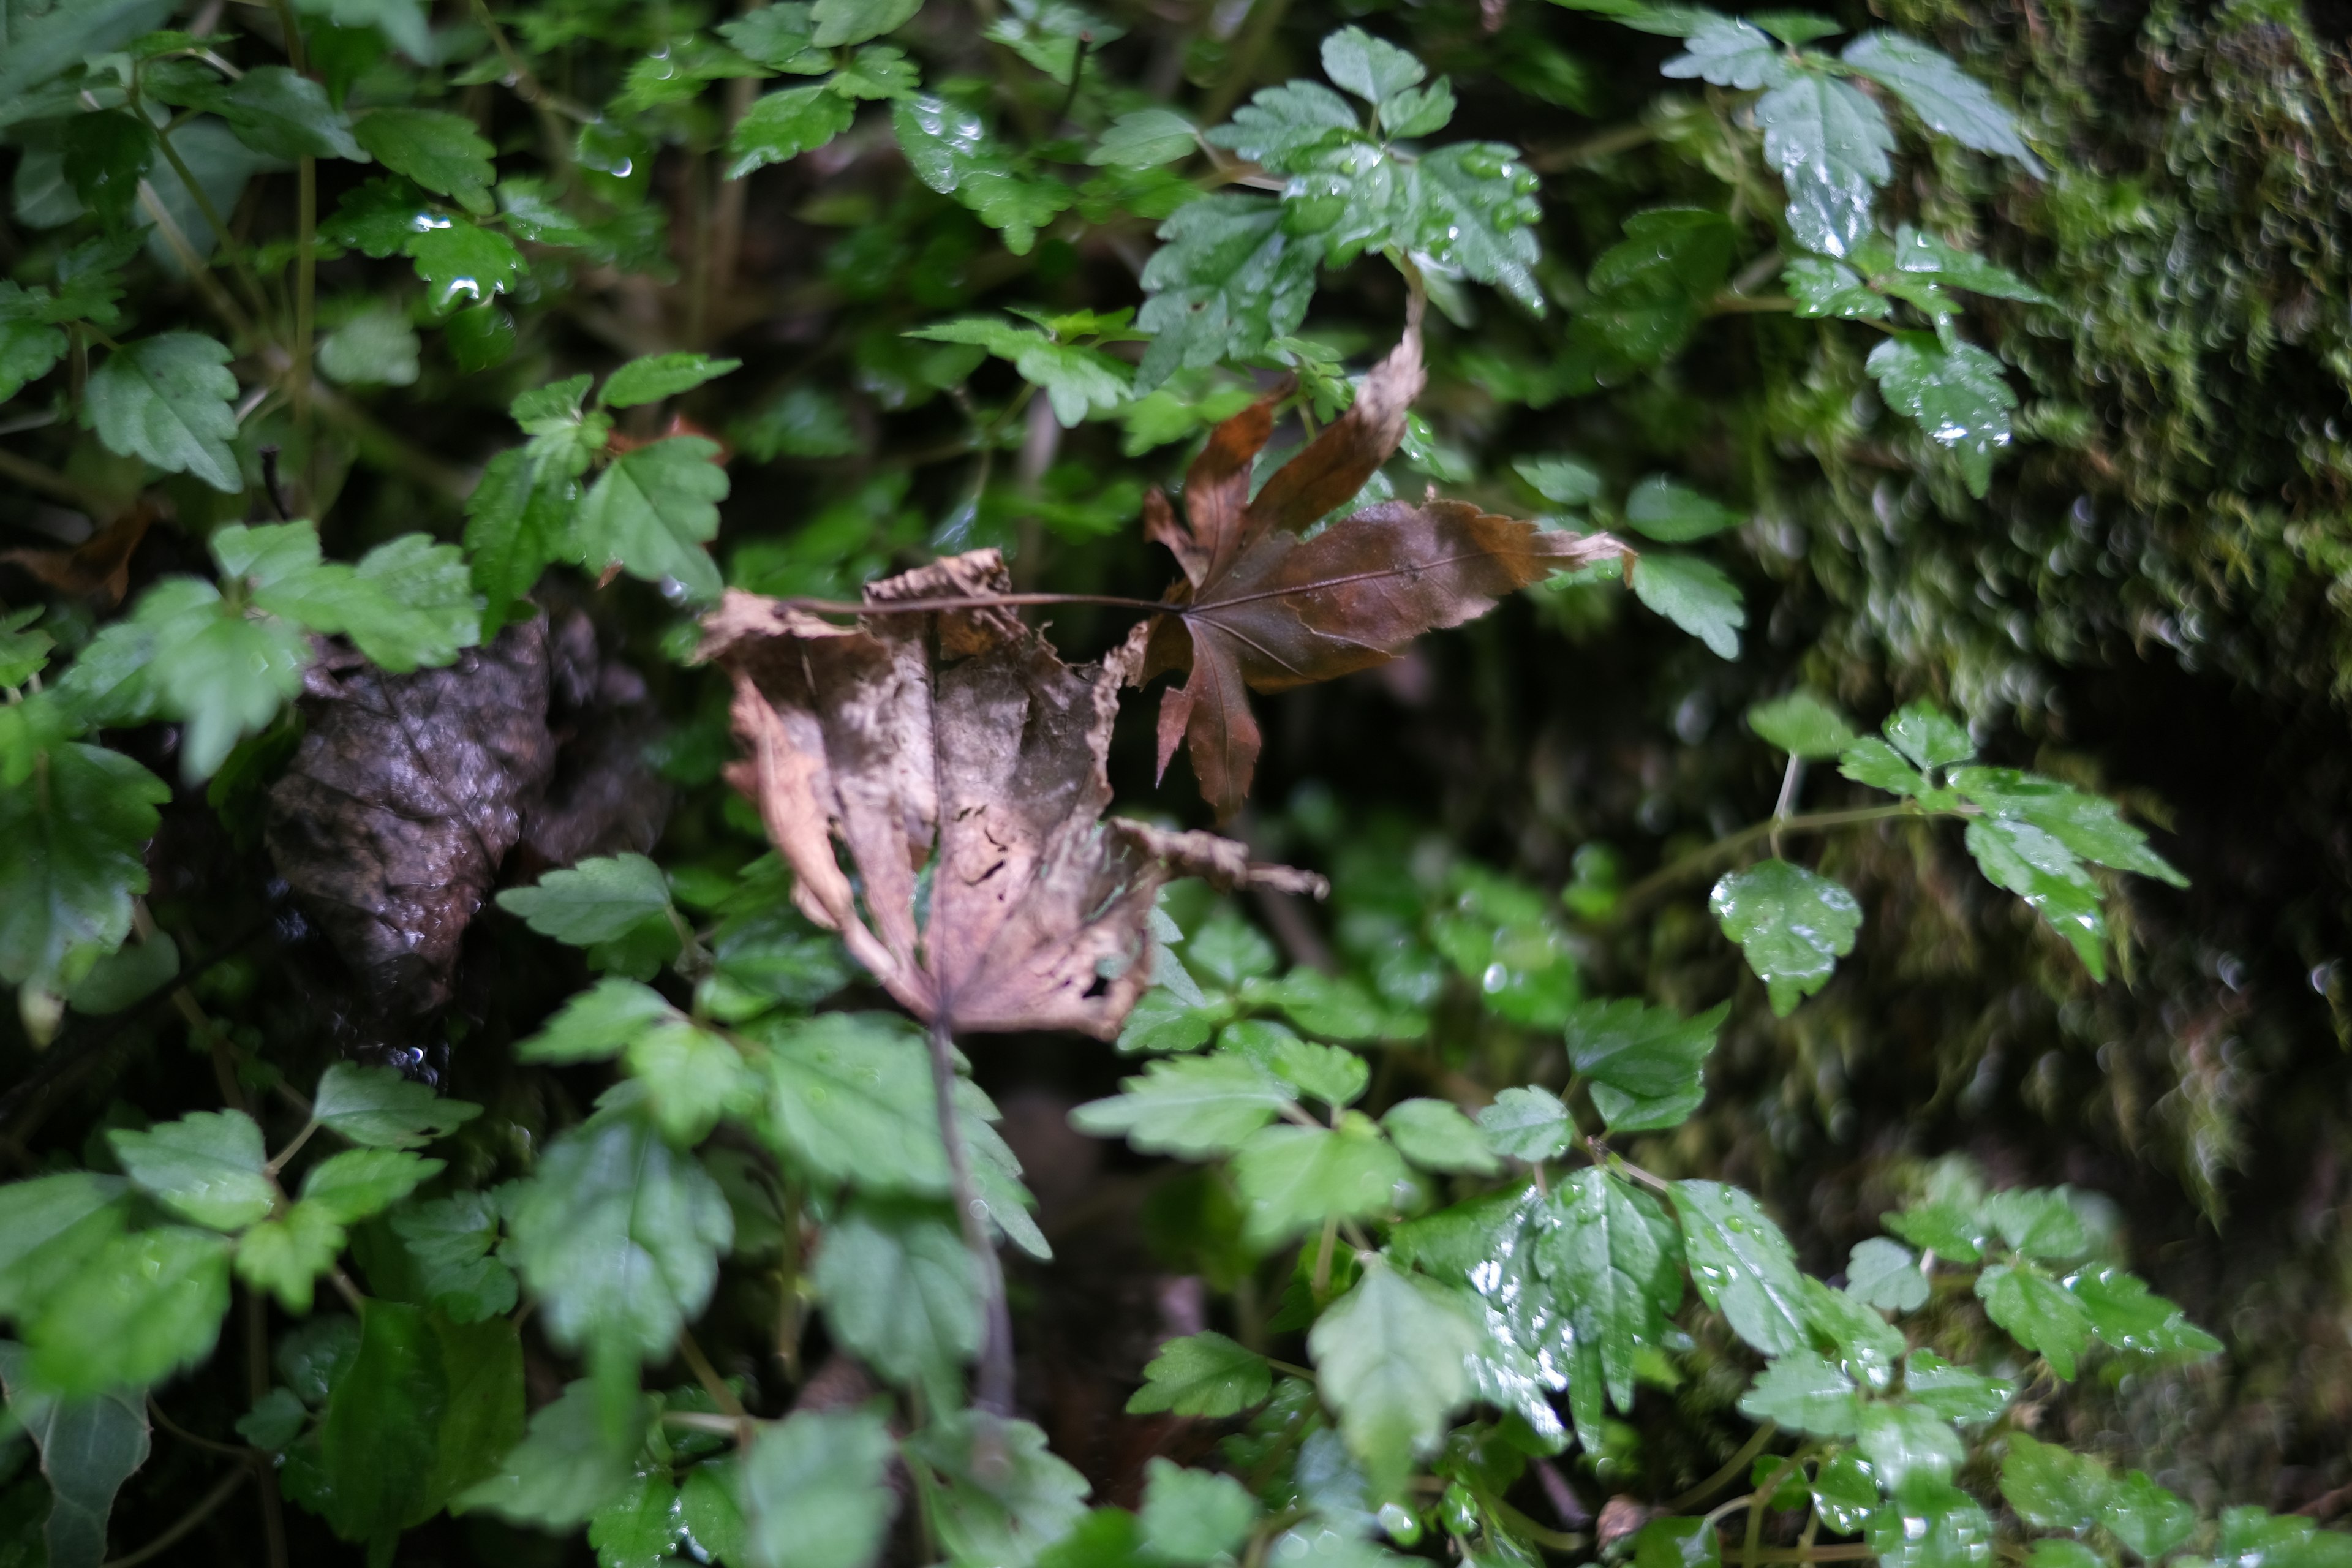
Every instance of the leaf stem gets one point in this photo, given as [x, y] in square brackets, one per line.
[187, 1521]
[994, 1394]
[1722, 849]
[1731, 1470]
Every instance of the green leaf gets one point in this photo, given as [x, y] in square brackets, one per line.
[1295, 1178]
[1644, 1063]
[1792, 925]
[450, 1240]
[1194, 1517]
[659, 376]
[376, 1107]
[951, 151]
[1872, 762]
[1930, 736]
[1613, 1259]
[286, 1254]
[849, 1100]
[783, 125]
[1281, 123]
[1475, 209]
[564, 1470]
[1005, 1495]
[50, 1226]
[1331, 1074]
[875, 71]
[1419, 111]
[2126, 1314]
[1695, 594]
[780, 37]
[814, 1490]
[1802, 1392]
[1203, 1374]
[106, 154]
[225, 675]
[282, 114]
[639, 1529]
[1192, 1106]
[275, 1419]
[1678, 1543]
[2148, 1518]
[1336, 1007]
[595, 901]
[381, 1437]
[72, 856]
[1145, 138]
[2038, 1222]
[208, 1166]
[1372, 68]
[518, 521]
[1951, 1230]
[376, 348]
[408, 604]
[2039, 1313]
[1802, 725]
[2085, 824]
[402, 22]
[618, 1235]
[2051, 1488]
[2043, 871]
[1864, 1345]
[1829, 142]
[1162, 1023]
[902, 1293]
[1947, 99]
[1922, 254]
[1844, 1491]
[652, 512]
[29, 347]
[168, 399]
[1436, 1136]
[1077, 381]
[1564, 481]
[840, 22]
[1527, 1123]
[1930, 1523]
[691, 1077]
[463, 264]
[1390, 1357]
[2062, 1552]
[359, 1183]
[1227, 280]
[1823, 287]
[1900, 1440]
[1956, 392]
[1743, 1265]
[147, 1303]
[2249, 1538]
[441, 151]
[1675, 514]
[88, 1447]
[1885, 1274]
[1728, 53]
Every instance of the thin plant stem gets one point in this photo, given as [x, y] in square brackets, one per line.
[1732, 1469]
[257, 1382]
[1722, 849]
[306, 235]
[994, 1394]
[212, 215]
[1324, 1246]
[707, 1376]
[1763, 1496]
[187, 1521]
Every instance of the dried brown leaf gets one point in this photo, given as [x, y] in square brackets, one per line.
[1262, 606]
[957, 744]
[99, 566]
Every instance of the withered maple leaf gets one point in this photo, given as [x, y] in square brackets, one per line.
[1264, 605]
[954, 745]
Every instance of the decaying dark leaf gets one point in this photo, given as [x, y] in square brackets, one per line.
[1264, 607]
[98, 566]
[604, 796]
[406, 792]
[960, 762]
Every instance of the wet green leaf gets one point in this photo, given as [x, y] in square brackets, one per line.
[1802, 725]
[142, 1305]
[376, 1107]
[1612, 1258]
[1527, 1123]
[1331, 1074]
[1957, 393]
[951, 150]
[1946, 97]
[1227, 280]
[1006, 1496]
[50, 1226]
[1829, 142]
[208, 1166]
[1742, 1265]
[358, 1183]
[72, 856]
[564, 1470]
[1954, 1393]
[1194, 1516]
[1792, 925]
[1930, 1523]
[1644, 1064]
[1436, 1136]
[88, 1447]
[1673, 513]
[1805, 1393]
[652, 512]
[2039, 1313]
[1900, 1440]
[450, 1240]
